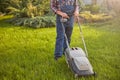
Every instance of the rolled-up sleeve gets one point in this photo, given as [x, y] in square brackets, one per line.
[53, 5]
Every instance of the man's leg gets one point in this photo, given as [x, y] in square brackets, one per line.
[59, 38]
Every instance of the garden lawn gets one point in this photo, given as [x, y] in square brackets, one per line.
[27, 53]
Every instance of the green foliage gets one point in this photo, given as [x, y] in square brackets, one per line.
[36, 22]
[28, 8]
[81, 5]
[27, 54]
[88, 17]
[3, 6]
[92, 8]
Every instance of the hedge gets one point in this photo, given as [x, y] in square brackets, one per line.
[36, 22]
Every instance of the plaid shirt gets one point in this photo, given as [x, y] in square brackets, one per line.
[55, 6]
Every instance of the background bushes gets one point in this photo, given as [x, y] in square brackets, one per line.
[37, 13]
[87, 16]
[3, 5]
[92, 8]
[25, 8]
[36, 22]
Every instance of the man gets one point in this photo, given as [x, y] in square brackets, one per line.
[67, 9]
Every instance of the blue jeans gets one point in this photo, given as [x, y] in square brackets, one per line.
[60, 45]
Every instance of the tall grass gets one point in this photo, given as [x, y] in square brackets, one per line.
[27, 54]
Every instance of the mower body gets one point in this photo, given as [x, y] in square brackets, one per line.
[78, 62]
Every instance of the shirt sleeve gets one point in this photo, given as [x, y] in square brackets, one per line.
[53, 5]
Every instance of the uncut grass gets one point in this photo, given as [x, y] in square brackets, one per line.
[27, 54]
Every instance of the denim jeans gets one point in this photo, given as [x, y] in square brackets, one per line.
[60, 45]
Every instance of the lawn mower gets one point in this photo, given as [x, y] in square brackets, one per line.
[76, 58]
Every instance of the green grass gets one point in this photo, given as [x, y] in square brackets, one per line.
[27, 54]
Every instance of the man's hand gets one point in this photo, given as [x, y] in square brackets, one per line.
[64, 15]
[76, 14]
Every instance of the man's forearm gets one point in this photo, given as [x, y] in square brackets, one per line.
[62, 14]
[77, 6]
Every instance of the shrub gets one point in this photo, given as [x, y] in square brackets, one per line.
[88, 17]
[36, 22]
[92, 8]
[3, 6]
[28, 8]
[2, 14]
